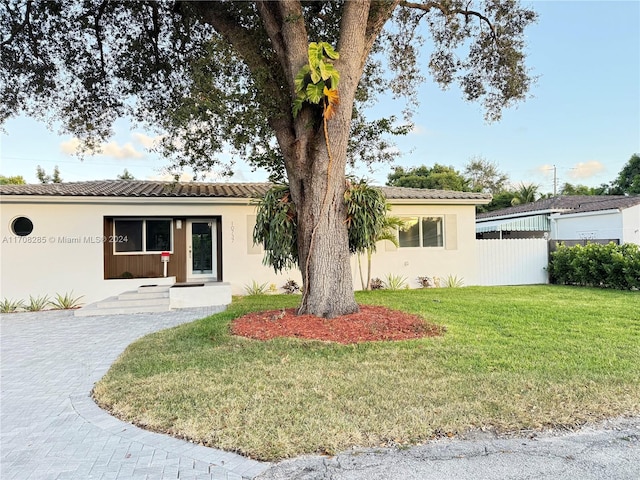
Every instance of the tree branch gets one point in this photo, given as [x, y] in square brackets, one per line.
[96, 26]
[285, 27]
[21, 26]
[379, 12]
[448, 12]
[214, 14]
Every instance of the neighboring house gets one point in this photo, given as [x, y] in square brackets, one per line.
[570, 218]
[102, 238]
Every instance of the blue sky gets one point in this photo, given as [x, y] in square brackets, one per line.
[583, 116]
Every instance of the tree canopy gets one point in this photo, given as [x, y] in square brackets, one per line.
[222, 77]
[628, 180]
[484, 176]
[216, 76]
[439, 177]
[43, 177]
[15, 180]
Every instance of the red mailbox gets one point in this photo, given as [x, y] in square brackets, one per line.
[164, 258]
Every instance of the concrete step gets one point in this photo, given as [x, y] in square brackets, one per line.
[148, 299]
[154, 288]
[114, 302]
[135, 295]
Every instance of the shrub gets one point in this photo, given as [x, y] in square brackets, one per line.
[291, 287]
[256, 288]
[10, 306]
[597, 265]
[395, 282]
[453, 281]
[37, 303]
[426, 282]
[65, 302]
[376, 284]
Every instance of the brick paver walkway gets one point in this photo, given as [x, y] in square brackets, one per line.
[51, 429]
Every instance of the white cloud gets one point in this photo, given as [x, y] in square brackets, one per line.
[421, 131]
[70, 147]
[583, 170]
[110, 149]
[145, 140]
[545, 170]
[168, 177]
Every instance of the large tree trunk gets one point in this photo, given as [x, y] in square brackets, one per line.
[315, 162]
[323, 244]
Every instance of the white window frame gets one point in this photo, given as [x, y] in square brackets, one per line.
[144, 251]
[420, 232]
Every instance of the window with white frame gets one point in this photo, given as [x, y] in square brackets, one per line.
[422, 232]
[142, 235]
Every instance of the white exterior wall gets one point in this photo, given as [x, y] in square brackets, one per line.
[242, 261]
[53, 266]
[588, 226]
[44, 264]
[631, 223]
[457, 257]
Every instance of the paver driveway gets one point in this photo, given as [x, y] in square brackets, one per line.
[51, 429]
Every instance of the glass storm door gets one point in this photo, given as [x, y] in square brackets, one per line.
[201, 249]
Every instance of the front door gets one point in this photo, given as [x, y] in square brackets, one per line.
[201, 250]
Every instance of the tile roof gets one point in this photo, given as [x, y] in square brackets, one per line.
[565, 204]
[145, 189]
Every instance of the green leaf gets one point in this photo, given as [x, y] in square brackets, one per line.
[328, 71]
[302, 78]
[315, 55]
[315, 76]
[297, 103]
[315, 92]
[329, 51]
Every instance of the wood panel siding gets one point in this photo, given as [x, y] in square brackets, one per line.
[146, 265]
[179, 257]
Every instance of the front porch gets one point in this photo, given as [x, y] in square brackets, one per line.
[151, 298]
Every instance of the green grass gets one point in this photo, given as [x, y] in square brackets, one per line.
[513, 358]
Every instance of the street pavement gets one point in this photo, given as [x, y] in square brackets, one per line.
[51, 429]
[610, 451]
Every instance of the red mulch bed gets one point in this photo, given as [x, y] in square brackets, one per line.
[371, 323]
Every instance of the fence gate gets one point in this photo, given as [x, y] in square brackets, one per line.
[518, 261]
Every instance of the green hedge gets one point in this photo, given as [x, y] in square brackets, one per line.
[596, 265]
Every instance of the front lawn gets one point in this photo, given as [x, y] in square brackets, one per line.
[512, 358]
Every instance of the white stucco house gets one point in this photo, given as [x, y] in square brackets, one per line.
[102, 238]
[576, 218]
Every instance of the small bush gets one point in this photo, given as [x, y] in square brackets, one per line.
[376, 284]
[453, 281]
[65, 302]
[597, 265]
[426, 282]
[10, 306]
[395, 282]
[37, 303]
[291, 287]
[256, 288]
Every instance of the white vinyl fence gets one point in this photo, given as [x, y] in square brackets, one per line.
[512, 262]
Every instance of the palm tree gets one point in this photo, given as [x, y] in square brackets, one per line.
[526, 193]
